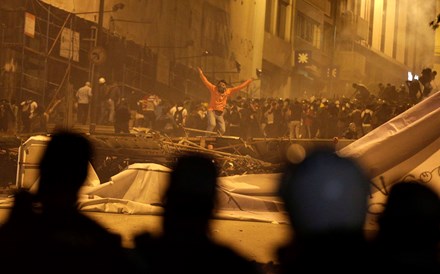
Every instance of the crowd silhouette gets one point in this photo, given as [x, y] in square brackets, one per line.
[46, 232]
[186, 245]
[325, 197]
[409, 230]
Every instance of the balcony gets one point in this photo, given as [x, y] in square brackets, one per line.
[281, 57]
[353, 27]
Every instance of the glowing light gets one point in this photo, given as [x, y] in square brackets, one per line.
[295, 153]
[303, 58]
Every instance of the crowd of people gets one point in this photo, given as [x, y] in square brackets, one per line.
[315, 117]
[225, 113]
[325, 197]
[299, 118]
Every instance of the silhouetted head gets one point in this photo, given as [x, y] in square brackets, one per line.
[324, 193]
[411, 214]
[191, 194]
[64, 166]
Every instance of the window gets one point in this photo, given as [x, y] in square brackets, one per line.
[384, 26]
[396, 28]
[328, 8]
[268, 17]
[328, 41]
[308, 29]
[282, 18]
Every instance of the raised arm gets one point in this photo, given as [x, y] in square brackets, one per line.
[241, 86]
[205, 80]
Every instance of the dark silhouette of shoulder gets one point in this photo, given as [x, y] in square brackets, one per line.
[185, 246]
[409, 230]
[55, 236]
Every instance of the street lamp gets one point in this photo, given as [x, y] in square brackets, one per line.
[237, 67]
[203, 53]
[112, 20]
[116, 7]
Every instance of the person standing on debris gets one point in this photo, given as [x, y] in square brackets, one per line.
[28, 108]
[114, 98]
[83, 95]
[361, 92]
[428, 75]
[219, 96]
[179, 113]
[103, 102]
[122, 117]
[149, 105]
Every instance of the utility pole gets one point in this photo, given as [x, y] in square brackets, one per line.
[335, 11]
[96, 74]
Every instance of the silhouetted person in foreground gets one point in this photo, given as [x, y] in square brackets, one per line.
[78, 243]
[325, 197]
[185, 245]
[18, 240]
[409, 230]
[61, 239]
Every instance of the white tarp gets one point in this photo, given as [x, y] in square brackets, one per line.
[140, 188]
[404, 148]
[143, 183]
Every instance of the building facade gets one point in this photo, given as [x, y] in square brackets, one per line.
[329, 44]
[292, 48]
[219, 36]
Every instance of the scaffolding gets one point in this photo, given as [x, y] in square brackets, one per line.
[46, 54]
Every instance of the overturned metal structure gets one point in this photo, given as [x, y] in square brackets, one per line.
[115, 152]
[234, 155]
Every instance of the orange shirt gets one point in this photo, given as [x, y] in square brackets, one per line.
[218, 100]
